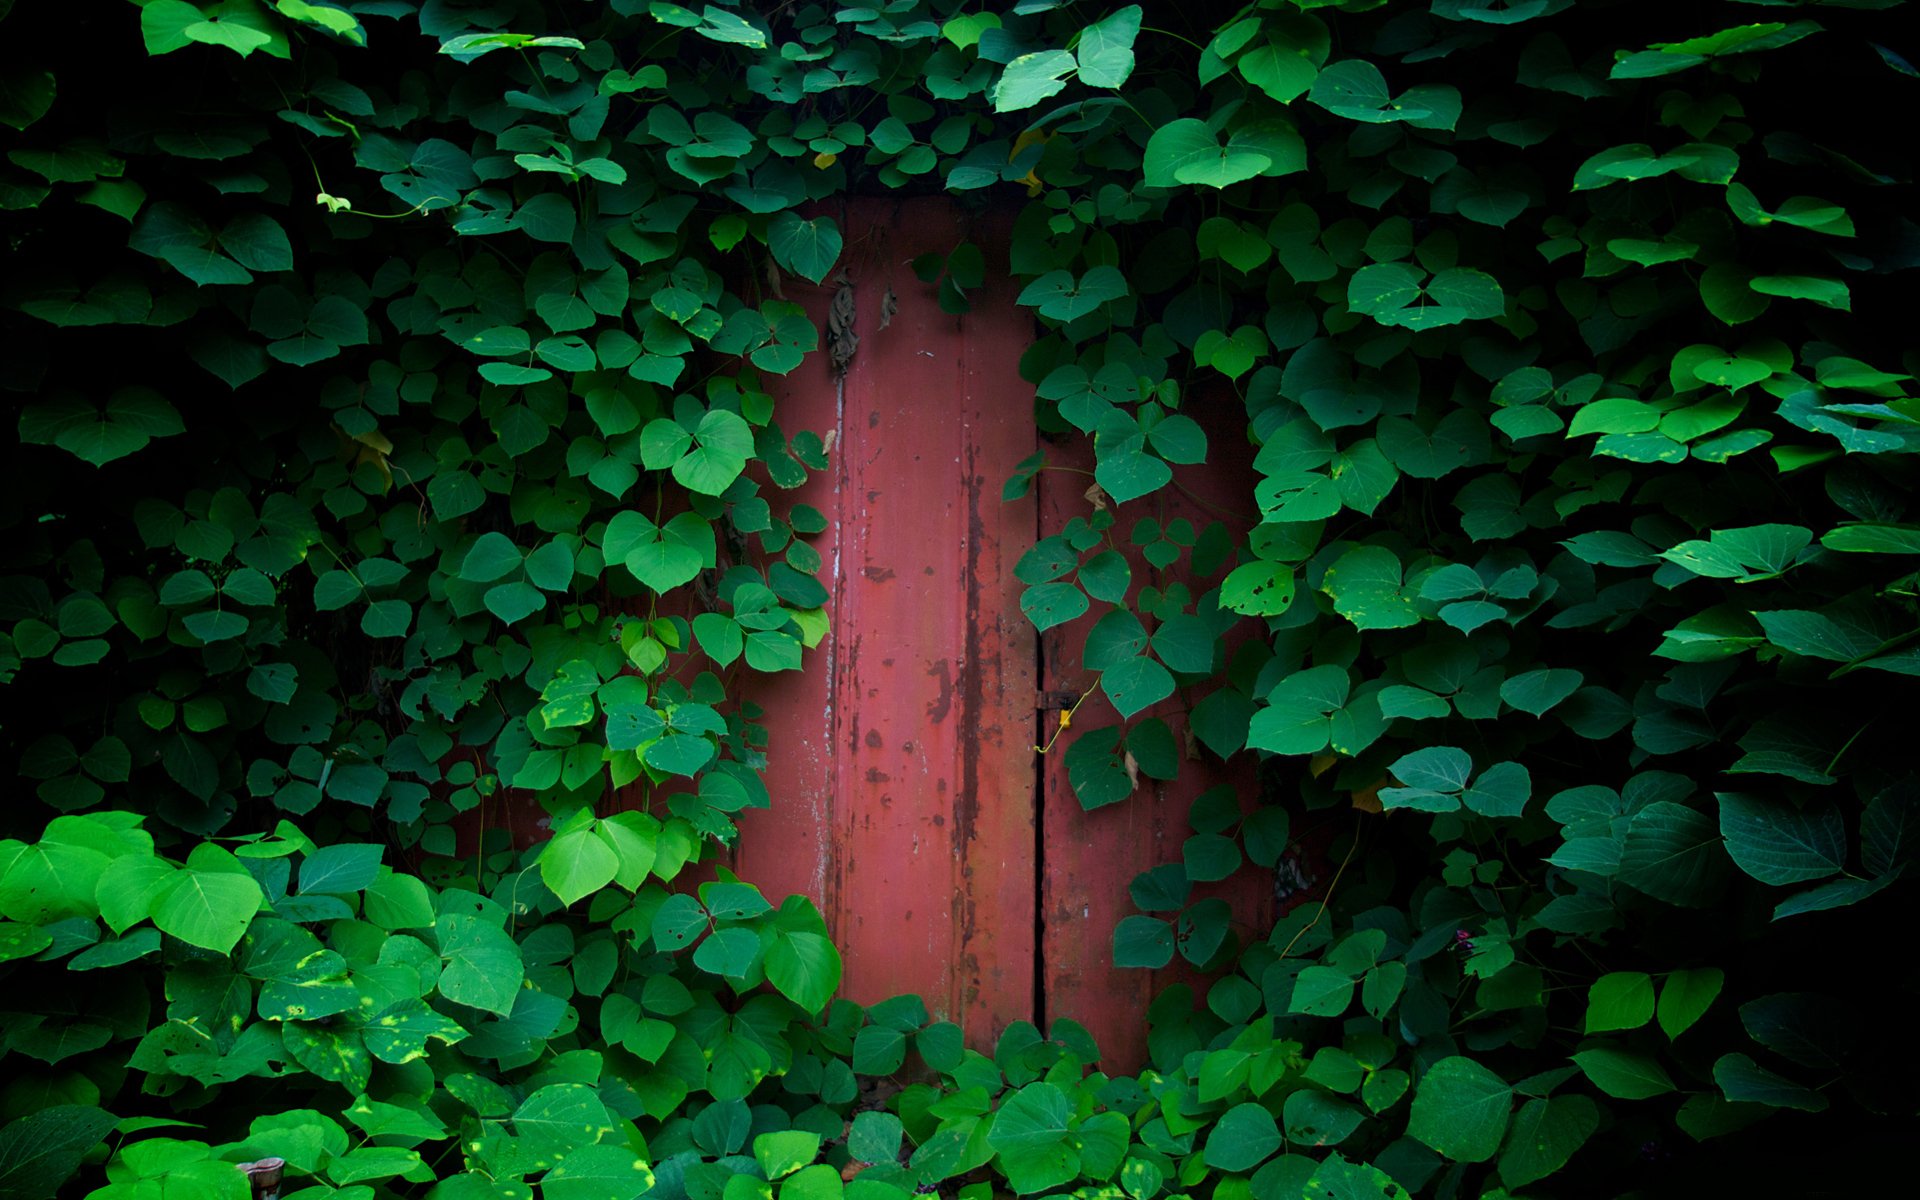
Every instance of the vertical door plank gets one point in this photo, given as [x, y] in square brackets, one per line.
[1091, 857]
[900, 760]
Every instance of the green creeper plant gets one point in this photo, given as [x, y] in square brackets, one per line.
[395, 446]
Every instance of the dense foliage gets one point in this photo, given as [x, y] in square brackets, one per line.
[393, 432]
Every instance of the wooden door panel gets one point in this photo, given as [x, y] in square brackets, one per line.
[904, 784]
[902, 772]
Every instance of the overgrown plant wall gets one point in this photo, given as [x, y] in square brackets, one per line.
[393, 431]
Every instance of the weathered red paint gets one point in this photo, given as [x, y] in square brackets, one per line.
[1091, 857]
[901, 766]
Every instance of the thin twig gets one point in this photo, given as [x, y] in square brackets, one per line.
[1066, 719]
[1327, 899]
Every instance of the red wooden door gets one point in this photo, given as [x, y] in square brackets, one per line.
[949, 859]
[902, 779]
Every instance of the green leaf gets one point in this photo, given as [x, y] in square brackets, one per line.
[1460, 1109]
[396, 901]
[1546, 1133]
[1105, 49]
[597, 1172]
[1048, 559]
[19, 940]
[878, 1050]
[1185, 643]
[1136, 683]
[1321, 992]
[1837, 893]
[940, 1047]
[340, 869]
[783, 1152]
[128, 887]
[1244, 1137]
[723, 442]
[1258, 588]
[1501, 790]
[1779, 842]
[1725, 292]
[1829, 293]
[399, 1034]
[1685, 997]
[1673, 853]
[382, 619]
[1750, 554]
[132, 418]
[875, 1136]
[1189, 151]
[664, 565]
[577, 863]
[1031, 1138]
[1114, 639]
[560, 1118]
[1282, 70]
[808, 248]
[484, 968]
[805, 967]
[258, 243]
[818, 1182]
[733, 901]
[1313, 1118]
[1873, 539]
[1365, 587]
[1051, 604]
[1334, 1178]
[1623, 1074]
[163, 25]
[514, 601]
[772, 651]
[1744, 1081]
[26, 93]
[1142, 942]
[1031, 78]
[1816, 635]
[1619, 1000]
[1538, 691]
[679, 754]
[734, 953]
[490, 557]
[1059, 295]
[678, 922]
[39, 1150]
[1435, 769]
[1889, 830]
[634, 839]
[1298, 715]
[208, 909]
[1812, 1030]
[1107, 577]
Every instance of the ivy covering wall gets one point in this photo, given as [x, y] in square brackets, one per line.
[394, 432]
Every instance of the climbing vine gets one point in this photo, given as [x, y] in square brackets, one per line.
[393, 387]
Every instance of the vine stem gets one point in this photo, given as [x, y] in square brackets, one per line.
[1170, 33]
[1849, 667]
[1066, 719]
[1327, 899]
